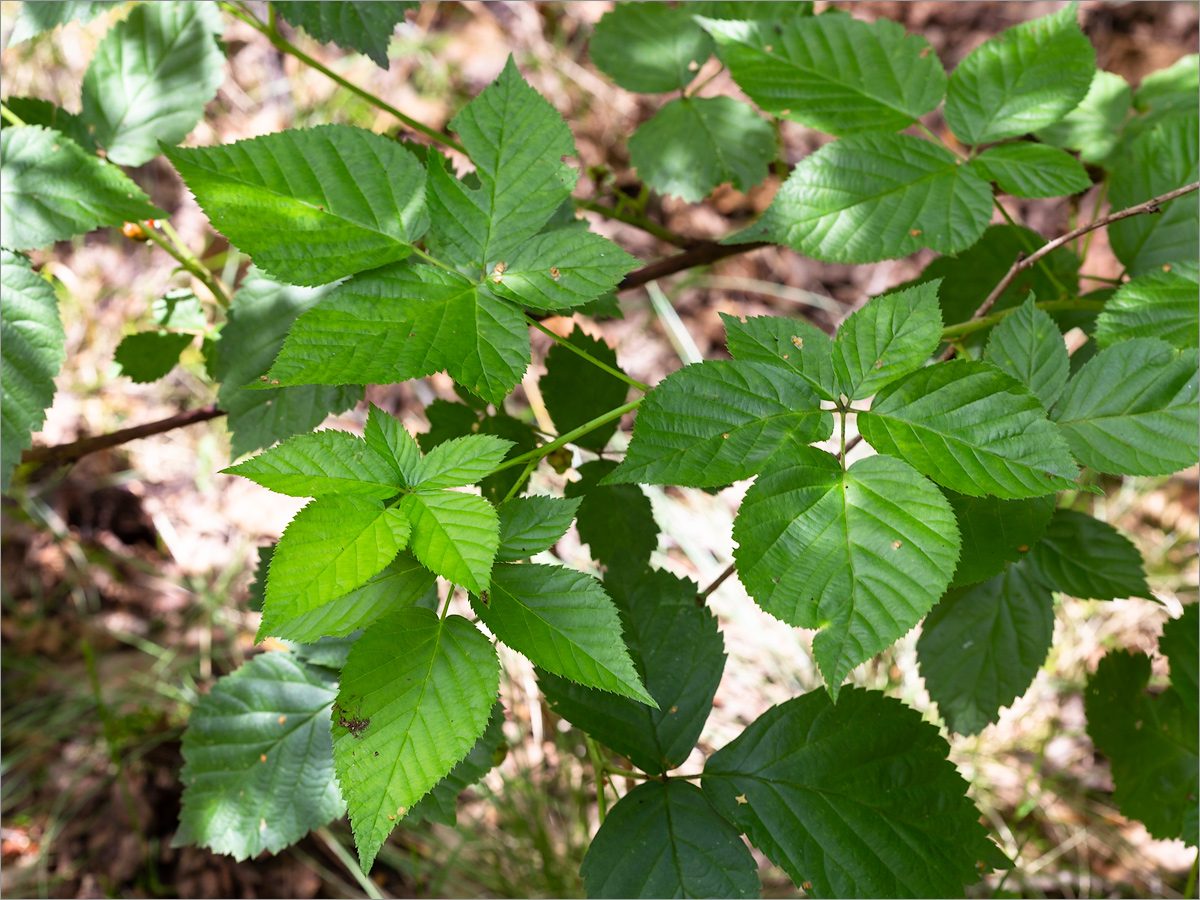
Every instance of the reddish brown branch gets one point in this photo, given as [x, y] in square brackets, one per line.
[700, 255]
[65, 453]
[720, 580]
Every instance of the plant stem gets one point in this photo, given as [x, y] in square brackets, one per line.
[281, 43]
[571, 435]
[1113, 281]
[182, 255]
[598, 771]
[717, 582]
[512, 491]
[701, 254]
[1189, 889]
[842, 413]
[955, 333]
[625, 773]
[663, 234]
[65, 453]
[432, 260]
[343, 855]
[1029, 248]
[11, 117]
[616, 373]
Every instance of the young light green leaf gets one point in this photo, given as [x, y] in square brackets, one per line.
[615, 520]
[1025, 169]
[833, 72]
[416, 694]
[32, 351]
[972, 428]
[888, 338]
[1158, 305]
[311, 205]
[331, 547]
[407, 321]
[1084, 557]
[460, 462]
[50, 189]
[1179, 644]
[564, 622]
[680, 655]
[666, 840]
[454, 535]
[259, 318]
[717, 422]
[694, 144]
[874, 196]
[387, 437]
[36, 18]
[450, 420]
[366, 27]
[258, 759]
[788, 343]
[150, 78]
[995, 532]
[649, 48]
[1131, 409]
[440, 804]
[321, 463]
[852, 808]
[575, 391]
[1093, 127]
[1029, 347]
[981, 647]
[1024, 79]
[860, 554]
[529, 525]
[149, 355]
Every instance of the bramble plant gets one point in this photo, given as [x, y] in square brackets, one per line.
[377, 261]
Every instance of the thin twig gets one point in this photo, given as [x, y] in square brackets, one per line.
[64, 453]
[720, 580]
[702, 254]
[647, 225]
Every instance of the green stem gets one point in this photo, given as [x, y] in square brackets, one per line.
[432, 260]
[11, 117]
[512, 491]
[955, 333]
[562, 440]
[1190, 889]
[280, 42]
[842, 414]
[663, 234]
[626, 773]
[598, 771]
[1113, 281]
[932, 136]
[616, 373]
[335, 846]
[182, 255]
[1087, 241]
[1029, 248]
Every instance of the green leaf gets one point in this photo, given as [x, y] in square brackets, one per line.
[576, 391]
[995, 532]
[516, 140]
[311, 205]
[1025, 169]
[1166, 94]
[833, 72]
[1152, 742]
[1160, 160]
[649, 48]
[1158, 305]
[788, 343]
[391, 441]
[888, 338]
[1028, 346]
[331, 547]
[1131, 409]
[419, 692]
[529, 525]
[150, 78]
[713, 423]
[454, 535]
[694, 144]
[258, 760]
[149, 355]
[449, 420]
[330, 652]
[179, 309]
[53, 190]
[1093, 127]
[972, 428]
[1026, 78]
[440, 804]
[460, 462]
[615, 520]
[860, 554]
[36, 18]
[874, 196]
[782, 10]
[259, 318]
[981, 647]
[856, 799]
[404, 582]
[365, 27]
[680, 656]
[666, 840]
[33, 111]
[31, 351]
[325, 462]
[406, 321]
[1179, 643]
[258, 587]
[1084, 557]
[564, 622]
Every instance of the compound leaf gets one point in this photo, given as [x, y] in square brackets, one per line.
[716, 422]
[416, 694]
[995, 532]
[454, 535]
[1093, 127]
[972, 428]
[833, 72]
[564, 622]
[441, 803]
[649, 48]
[666, 840]
[149, 355]
[874, 196]
[151, 77]
[321, 463]
[1025, 169]
[788, 343]
[1157, 304]
[1028, 346]
[856, 799]
[529, 525]
[258, 759]
[449, 420]
[1131, 409]
[1084, 557]
[860, 554]
[1026, 78]
[576, 391]
[615, 520]
[365, 27]
[311, 205]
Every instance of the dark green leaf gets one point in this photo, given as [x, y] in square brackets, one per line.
[649, 47]
[149, 355]
[576, 391]
[330, 652]
[366, 27]
[1084, 557]
[1025, 169]
[615, 520]
[1029, 347]
[529, 525]
[258, 587]
[32, 111]
[1179, 644]
[1093, 127]
[788, 343]
[995, 532]
[440, 804]
[780, 10]
[1158, 305]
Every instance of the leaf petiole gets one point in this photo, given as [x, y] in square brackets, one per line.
[616, 373]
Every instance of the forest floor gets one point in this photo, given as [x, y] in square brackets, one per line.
[125, 577]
